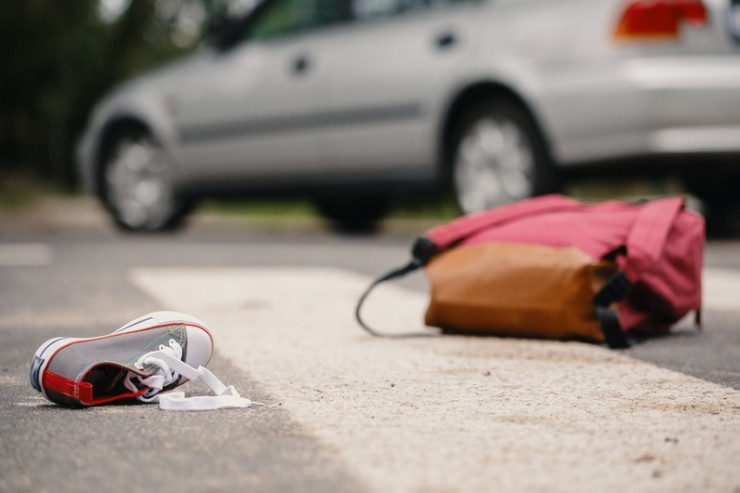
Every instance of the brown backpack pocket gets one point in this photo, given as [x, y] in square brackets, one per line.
[516, 290]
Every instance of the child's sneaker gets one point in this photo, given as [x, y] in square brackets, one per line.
[151, 354]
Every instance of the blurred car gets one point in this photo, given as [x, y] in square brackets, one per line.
[351, 101]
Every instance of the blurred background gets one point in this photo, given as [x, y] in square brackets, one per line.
[62, 58]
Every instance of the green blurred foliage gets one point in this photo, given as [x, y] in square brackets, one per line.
[58, 58]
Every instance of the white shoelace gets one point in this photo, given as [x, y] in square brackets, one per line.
[164, 367]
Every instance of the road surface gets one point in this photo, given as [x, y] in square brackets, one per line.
[344, 411]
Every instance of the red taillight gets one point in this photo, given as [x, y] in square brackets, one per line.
[658, 18]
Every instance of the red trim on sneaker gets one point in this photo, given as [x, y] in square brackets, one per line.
[80, 391]
[127, 395]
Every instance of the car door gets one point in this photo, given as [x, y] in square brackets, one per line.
[247, 112]
[389, 70]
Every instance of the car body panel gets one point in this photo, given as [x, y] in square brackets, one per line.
[233, 121]
[394, 102]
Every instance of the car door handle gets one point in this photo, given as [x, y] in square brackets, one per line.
[301, 64]
[446, 40]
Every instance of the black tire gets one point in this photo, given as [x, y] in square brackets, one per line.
[498, 155]
[717, 188]
[722, 221]
[354, 214]
[136, 183]
[714, 186]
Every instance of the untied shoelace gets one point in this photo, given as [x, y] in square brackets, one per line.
[164, 367]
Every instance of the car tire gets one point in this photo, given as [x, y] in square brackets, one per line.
[498, 156]
[722, 221]
[137, 183]
[354, 215]
[718, 187]
[717, 190]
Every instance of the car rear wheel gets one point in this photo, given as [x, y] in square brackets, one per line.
[717, 189]
[499, 156]
[138, 183]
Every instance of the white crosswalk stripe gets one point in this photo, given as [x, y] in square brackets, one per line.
[722, 289]
[455, 413]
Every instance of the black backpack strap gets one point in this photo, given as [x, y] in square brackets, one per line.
[422, 251]
[615, 289]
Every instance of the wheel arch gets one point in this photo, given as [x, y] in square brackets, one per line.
[470, 95]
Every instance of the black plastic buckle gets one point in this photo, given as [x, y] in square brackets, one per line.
[423, 250]
[615, 289]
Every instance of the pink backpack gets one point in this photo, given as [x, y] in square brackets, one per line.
[655, 248]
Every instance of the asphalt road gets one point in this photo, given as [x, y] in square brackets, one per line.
[77, 281]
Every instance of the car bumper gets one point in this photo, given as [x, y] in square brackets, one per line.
[694, 105]
[656, 107]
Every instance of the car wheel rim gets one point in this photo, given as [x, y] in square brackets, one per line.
[139, 180]
[494, 165]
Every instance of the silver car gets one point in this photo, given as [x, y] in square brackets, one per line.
[352, 101]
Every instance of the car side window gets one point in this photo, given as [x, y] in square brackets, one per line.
[374, 9]
[286, 17]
